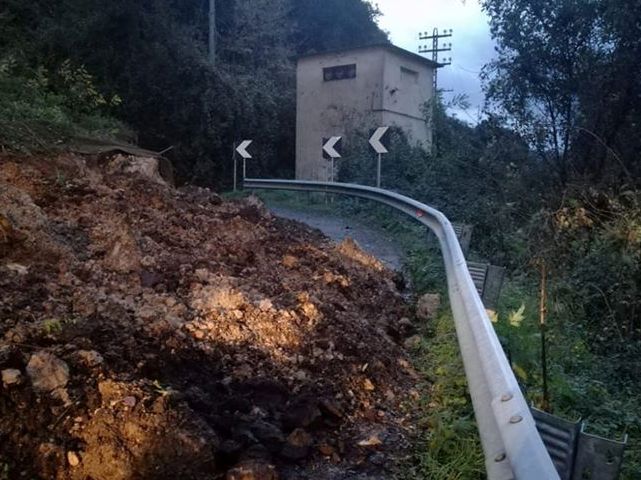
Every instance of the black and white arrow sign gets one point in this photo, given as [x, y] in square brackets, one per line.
[242, 149]
[332, 147]
[378, 141]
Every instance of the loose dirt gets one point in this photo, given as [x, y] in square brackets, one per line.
[374, 242]
[153, 332]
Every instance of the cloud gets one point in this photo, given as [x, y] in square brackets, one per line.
[472, 45]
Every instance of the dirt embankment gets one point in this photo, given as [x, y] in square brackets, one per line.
[148, 332]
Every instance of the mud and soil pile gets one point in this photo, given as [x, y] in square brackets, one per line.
[153, 332]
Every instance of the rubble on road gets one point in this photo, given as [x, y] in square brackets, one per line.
[166, 333]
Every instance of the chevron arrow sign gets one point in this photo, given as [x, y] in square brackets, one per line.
[332, 147]
[378, 141]
[242, 149]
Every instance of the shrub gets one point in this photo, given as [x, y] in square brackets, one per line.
[41, 109]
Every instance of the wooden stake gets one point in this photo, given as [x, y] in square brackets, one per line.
[542, 325]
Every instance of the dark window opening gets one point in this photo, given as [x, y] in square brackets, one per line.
[341, 72]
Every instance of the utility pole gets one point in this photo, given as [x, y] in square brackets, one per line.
[436, 49]
[212, 31]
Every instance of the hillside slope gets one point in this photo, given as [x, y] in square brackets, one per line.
[153, 332]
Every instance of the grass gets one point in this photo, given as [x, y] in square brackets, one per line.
[449, 448]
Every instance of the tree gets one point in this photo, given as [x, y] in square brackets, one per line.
[544, 51]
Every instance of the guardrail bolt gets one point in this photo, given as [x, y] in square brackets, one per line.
[500, 457]
[507, 397]
[516, 419]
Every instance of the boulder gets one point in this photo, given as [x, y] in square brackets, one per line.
[11, 376]
[428, 306]
[48, 374]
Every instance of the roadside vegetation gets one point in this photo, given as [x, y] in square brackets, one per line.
[42, 109]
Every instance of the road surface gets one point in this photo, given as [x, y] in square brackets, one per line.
[374, 242]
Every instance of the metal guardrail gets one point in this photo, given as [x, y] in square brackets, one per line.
[512, 446]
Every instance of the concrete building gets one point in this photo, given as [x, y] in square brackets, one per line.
[355, 90]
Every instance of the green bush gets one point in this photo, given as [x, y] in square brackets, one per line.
[41, 109]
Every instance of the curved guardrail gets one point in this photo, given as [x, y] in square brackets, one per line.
[512, 446]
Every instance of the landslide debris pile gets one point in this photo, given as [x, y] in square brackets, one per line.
[153, 332]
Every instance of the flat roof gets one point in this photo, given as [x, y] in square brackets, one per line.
[387, 46]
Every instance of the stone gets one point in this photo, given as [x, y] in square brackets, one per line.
[48, 373]
[17, 268]
[73, 459]
[5, 353]
[331, 408]
[413, 342]
[368, 385]
[149, 279]
[298, 445]
[301, 414]
[377, 459]
[253, 470]
[147, 167]
[326, 449]
[11, 376]
[265, 305]
[290, 261]
[90, 358]
[371, 441]
[406, 326]
[428, 306]
[269, 434]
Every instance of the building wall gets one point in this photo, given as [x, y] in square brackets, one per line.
[408, 85]
[325, 109]
[380, 94]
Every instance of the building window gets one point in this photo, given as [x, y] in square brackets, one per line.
[341, 72]
[409, 76]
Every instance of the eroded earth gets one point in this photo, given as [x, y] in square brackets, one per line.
[154, 332]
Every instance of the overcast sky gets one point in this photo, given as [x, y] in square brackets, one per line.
[472, 46]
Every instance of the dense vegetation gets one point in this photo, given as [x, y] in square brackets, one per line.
[152, 55]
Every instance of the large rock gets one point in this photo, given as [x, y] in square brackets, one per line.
[18, 212]
[428, 306]
[11, 376]
[48, 374]
[146, 167]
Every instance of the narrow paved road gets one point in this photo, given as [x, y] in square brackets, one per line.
[375, 242]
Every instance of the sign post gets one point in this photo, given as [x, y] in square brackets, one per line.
[332, 151]
[233, 157]
[242, 150]
[378, 142]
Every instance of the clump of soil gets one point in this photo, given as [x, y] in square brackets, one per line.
[153, 332]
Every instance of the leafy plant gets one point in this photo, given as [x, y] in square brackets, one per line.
[40, 110]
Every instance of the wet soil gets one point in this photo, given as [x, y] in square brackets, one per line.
[153, 332]
[374, 242]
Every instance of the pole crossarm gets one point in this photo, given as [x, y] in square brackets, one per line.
[512, 446]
